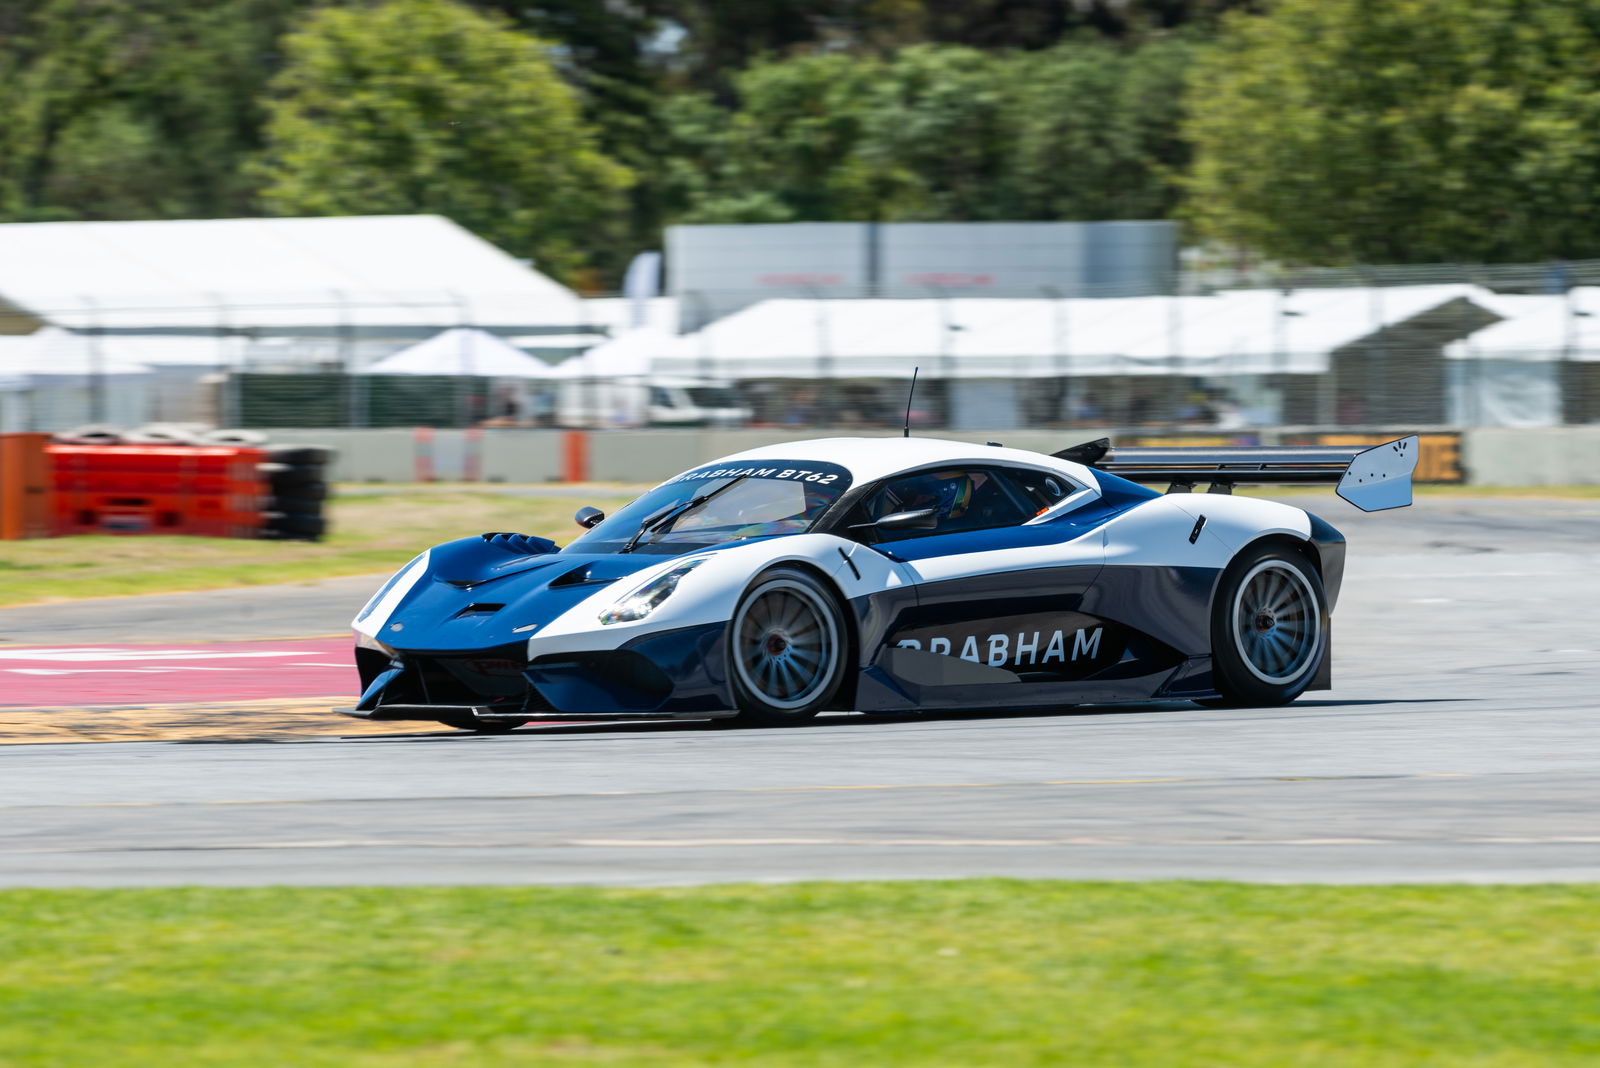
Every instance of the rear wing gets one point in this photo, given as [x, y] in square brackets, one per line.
[1372, 479]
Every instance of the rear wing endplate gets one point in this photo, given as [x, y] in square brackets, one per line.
[1372, 479]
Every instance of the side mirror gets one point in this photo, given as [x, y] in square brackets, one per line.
[921, 519]
[589, 517]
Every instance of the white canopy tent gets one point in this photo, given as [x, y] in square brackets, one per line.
[1268, 331]
[463, 351]
[1244, 332]
[632, 355]
[377, 273]
[52, 356]
[53, 379]
[1510, 373]
[1538, 329]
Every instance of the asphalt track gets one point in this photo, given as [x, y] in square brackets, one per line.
[1461, 742]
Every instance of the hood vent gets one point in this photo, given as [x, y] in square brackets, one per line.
[480, 609]
[576, 577]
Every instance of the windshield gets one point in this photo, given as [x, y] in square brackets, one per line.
[778, 497]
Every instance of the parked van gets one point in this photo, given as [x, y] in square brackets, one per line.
[638, 402]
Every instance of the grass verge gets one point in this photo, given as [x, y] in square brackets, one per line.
[371, 532]
[987, 972]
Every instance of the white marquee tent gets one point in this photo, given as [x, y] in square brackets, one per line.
[1230, 333]
[53, 356]
[462, 351]
[1509, 374]
[53, 378]
[378, 273]
[632, 355]
[1538, 329]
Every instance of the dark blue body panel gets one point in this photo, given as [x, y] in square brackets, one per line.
[477, 595]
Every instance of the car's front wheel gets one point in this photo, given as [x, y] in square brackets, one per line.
[1269, 627]
[786, 648]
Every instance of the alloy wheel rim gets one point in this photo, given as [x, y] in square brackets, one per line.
[786, 643]
[1277, 623]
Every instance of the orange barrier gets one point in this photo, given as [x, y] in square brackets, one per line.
[575, 456]
[137, 489]
[25, 487]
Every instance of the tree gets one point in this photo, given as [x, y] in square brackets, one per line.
[790, 152]
[943, 125]
[1338, 131]
[1098, 133]
[129, 109]
[428, 106]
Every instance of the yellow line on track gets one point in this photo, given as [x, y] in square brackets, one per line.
[266, 720]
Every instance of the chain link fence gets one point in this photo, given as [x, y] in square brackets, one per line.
[1239, 346]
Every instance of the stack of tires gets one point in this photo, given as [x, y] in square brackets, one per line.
[297, 490]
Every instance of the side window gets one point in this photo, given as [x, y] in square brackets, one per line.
[1042, 489]
[976, 498]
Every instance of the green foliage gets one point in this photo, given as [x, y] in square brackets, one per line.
[1085, 130]
[427, 106]
[789, 153]
[121, 109]
[1337, 131]
[943, 125]
[1098, 130]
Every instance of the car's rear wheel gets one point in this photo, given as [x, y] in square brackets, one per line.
[1269, 628]
[787, 645]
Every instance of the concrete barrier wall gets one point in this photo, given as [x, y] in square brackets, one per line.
[1545, 456]
[406, 455]
[1491, 456]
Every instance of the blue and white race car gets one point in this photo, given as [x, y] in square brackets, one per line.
[885, 575]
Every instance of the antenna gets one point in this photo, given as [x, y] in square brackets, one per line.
[912, 392]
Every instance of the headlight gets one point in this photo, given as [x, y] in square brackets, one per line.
[644, 600]
[363, 641]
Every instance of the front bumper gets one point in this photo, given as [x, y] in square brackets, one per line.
[670, 675]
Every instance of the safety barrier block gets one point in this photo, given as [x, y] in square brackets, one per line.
[135, 489]
[25, 487]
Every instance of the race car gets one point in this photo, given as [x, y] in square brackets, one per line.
[885, 575]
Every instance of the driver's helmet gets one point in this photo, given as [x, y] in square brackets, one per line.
[948, 493]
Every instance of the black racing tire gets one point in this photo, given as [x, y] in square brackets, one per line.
[91, 434]
[296, 505]
[161, 434]
[1269, 628]
[247, 439]
[484, 726]
[294, 525]
[788, 648]
[300, 455]
[285, 477]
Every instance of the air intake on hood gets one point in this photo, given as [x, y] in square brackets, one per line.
[481, 609]
[576, 577]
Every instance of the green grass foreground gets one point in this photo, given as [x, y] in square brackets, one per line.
[986, 972]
